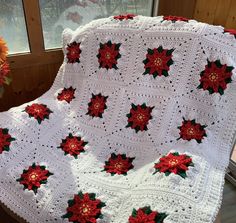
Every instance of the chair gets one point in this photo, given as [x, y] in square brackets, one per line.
[138, 125]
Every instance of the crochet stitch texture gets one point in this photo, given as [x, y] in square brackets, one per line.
[137, 127]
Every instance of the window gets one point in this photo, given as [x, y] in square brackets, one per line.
[12, 26]
[57, 15]
[33, 27]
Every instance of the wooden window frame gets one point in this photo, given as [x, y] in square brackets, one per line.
[37, 55]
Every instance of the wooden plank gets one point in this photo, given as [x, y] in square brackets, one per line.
[27, 60]
[222, 11]
[28, 84]
[205, 10]
[183, 8]
[34, 26]
[231, 19]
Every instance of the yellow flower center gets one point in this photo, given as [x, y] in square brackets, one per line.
[140, 117]
[33, 176]
[37, 110]
[72, 146]
[119, 165]
[73, 52]
[66, 96]
[213, 77]
[96, 106]
[158, 61]
[190, 131]
[85, 209]
[108, 56]
[173, 162]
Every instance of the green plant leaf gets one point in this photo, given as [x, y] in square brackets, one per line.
[67, 215]
[134, 213]
[160, 49]
[150, 51]
[169, 52]
[134, 106]
[218, 63]
[160, 217]
[165, 73]
[92, 196]
[221, 90]
[5, 131]
[229, 68]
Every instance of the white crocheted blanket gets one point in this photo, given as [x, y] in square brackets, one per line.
[137, 126]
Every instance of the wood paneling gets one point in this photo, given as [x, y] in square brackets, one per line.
[222, 12]
[26, 60]
[231, 18]
[205, 12]
[217, 12]
[28, 83]
[183, 8]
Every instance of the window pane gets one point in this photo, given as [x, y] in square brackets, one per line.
[12, 26]
[60, 14]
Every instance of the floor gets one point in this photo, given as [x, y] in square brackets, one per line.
[228, 210]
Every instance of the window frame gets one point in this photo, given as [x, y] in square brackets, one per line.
[38, 55]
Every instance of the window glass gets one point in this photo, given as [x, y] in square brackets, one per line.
[60, 14]
[12, 26]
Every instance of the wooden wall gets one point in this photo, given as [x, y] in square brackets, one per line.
[217, 12]
[183, 8]
[31, 79]
[28, 83]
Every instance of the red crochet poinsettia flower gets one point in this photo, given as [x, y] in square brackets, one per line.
[97, 105]
[73, 52]
[215, 77]
[84, 208]
[174, 163]
[33, 177]
[146, 215]
[67, 94]
[124, 17]
[73, 145]
[38, 111]
[175, 18]
[230, 31]
[158, 61]
[139, 117]
[191, 130]
[108, 54]
[4, 73]
[5, 140]
[118, 164]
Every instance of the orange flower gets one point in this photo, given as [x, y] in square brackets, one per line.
[3, 50]
[4, 71]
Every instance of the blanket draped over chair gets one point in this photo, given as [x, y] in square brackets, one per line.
[137, 126]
